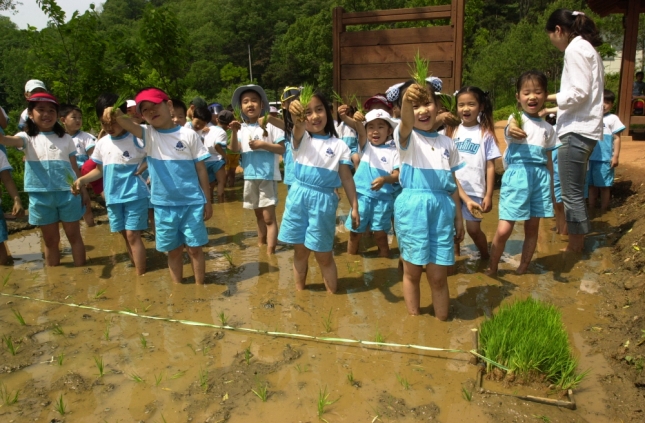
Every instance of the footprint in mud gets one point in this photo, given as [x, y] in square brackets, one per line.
[392, 407]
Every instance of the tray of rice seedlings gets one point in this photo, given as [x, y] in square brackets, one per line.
[419, 72]
[527, 338]
[306, 94]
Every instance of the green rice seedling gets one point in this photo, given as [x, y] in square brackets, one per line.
[5, 280]
[203, 379]
[323, 402]
[262, 392]
[350, 377]
[449, 102]
[353, 99]
[178, 374]
[119, 101]
[99, 294]
[143, 341]
[60, 406]
[158, 379]
[327, 322]
[106, 332]
[518, 117]
[248, 355]
[60, 358]
[223, 318]
[58, 330]
[70, 178]
[163, 418]
[527, 338]
[306, 94]
[8, 398]
[99, 365]
[8, 342]
[545, 419]
[403, 381]
[19, 317]
[337, 98]
[192, 348]
[301, 369]
[237, 114]
[227, 255]
[205, 350]
[419, 70]
[466, 394]
[135, 377]
[379, 336]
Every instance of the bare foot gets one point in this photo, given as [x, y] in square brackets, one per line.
[484, 256]
[522, 269]
[491, 272]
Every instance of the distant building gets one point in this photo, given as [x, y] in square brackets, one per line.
[613, 65]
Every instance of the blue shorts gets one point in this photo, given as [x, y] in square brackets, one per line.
[525, 193]
[309, 217]
[212, 168]
[600, 174]
[131, 216]
[179, 225]
[376, 214]
[4, 234]
[466, 214]
[55, 206]
[425, 227]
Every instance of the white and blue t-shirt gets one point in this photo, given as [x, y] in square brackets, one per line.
[216, 136]
[534, 149]
[317, 159]
[172, 154]
[376, 161]
[22, 121]
[348, 135]
[4, 165]
[604, 149]
[84, 142]
[475, 150]
[429, 160]
[121, 157]
[260, 164]
[47, 165]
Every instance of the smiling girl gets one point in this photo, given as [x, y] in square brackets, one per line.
[321, 164]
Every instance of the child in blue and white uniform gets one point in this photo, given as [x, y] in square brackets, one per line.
[17, 210]
[527, 182]
[118, 157]
[179, 180]
[604, 157]
[215, 141]
[49, 163]
[261, 149]
[475, 140]
[350, 138]
[374, 179]
[427, 213]
[322, 164]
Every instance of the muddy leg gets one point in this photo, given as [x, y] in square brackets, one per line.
[352, 244]
[504, 230]
[411, 290]
[300, 265]
[176, 264]
[478, 237]
[271, 228]
[262, 227]
[328, 270]
[605, 198]
[438, 280]
[136, 250]
[73, 233]
[531, 228]
[380, 237]
[51, 236]
[198, 263]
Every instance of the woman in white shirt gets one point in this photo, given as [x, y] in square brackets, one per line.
[580, 112]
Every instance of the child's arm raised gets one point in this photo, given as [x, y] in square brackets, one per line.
[10, 185]
[123, 120]
[413, 94]
[202, 174]
[347, 180]
[299, 123]
[354, 124]
[392, 178]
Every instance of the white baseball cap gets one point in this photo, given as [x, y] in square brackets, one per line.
[380, 114]
[33, 84]
[130, 103]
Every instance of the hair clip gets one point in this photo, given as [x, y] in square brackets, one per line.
[576, 13]
[392, 93]
[437, 84]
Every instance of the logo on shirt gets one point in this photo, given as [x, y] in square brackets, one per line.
[126, 155]
[53, 147]
[180, 146]
[467, 146]
[446, 154]
[329, 152]
[384, 159]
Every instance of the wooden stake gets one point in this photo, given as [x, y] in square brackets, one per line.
[475, 335]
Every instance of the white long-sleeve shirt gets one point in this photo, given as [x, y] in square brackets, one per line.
[581, 91]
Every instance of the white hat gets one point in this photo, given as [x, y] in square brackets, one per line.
[33, 84]
[380, 114]
[130, 103]
[273, 109]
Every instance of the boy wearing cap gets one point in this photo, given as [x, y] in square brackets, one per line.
[261, 149]
[215, 141]
[33, 86]
[180, 191]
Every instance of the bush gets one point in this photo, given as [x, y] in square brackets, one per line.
[503, 113]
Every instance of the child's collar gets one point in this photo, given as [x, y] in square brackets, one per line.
[169, 130]
[426, 133]
[120, 137]
[321, 137]
[536, 119]
[47, 132]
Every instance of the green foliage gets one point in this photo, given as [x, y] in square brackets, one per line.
[504, 112]
[7, 397]
[528, 337]
[323, 402]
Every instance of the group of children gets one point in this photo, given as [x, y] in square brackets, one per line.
[163, 161]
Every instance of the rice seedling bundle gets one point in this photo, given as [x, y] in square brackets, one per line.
[419, 72]
[528, 338]
[518, 117]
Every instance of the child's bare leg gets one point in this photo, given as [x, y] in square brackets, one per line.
[438, 280]
[270, 227]
[531, 229]
[4, 255]
[51, 236]
[380, 238]
[176, 264]
[221, 183]
[73, 233]
[231, 177]
[127, 246]
[328, 270]
[212, 186]
[605, 197]
[504, 230]
[262, 227]
[593, 195]
[352, 244]
[560, 222]
[151, 220]
[411, 290]
[137, 250]
[300, 265]
[88, 217]
[478, 237]
[198, 262]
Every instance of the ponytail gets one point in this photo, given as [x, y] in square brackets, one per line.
[575, 24]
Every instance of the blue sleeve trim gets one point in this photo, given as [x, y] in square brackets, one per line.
[397, 167]
[6, 168]
[89, 147]
[347, 162]
[459, 166]
[24, 141]
[202, 158]
[279, 140]
[619, 130]
[72, 154]
[143, 138]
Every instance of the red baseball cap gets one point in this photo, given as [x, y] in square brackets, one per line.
[43, 97]
[378, 98]
[153, 95]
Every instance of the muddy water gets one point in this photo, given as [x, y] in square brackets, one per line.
[201, 374]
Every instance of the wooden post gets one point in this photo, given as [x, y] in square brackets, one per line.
[627, 67]
[458, 30]
[338, 27]
[475, 334]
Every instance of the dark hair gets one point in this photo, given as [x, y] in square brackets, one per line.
[576, 25]
[106, 100]
[288, 123]
[329, 128]
[639, 73]
[405, 86]
[66, 109]
[609, 96]
[32, 128]
[533, 75]
[177, 103]
[486, 105]
[202, 113]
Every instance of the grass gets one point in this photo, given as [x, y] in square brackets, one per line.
[359, 106]
[100, 294]
[518, 117]
[19, 317]
[5, 280]
[528, 338]
[60, 358]
[306, 94]
[7, 397]
[69, 179]
[178, 374]
[60, 406]
[301, 369]
[106, 332]
[58, 330]
[99, 365]
[144, 341]
[228, 257]
[158, 379]
[135, 377]
[262, 392]
[379, 336]
[449, 102]
[237, 114]
[8, 342]
[350, 377]
[203, 379]
[119, 101]
[337, 98]
[323, 402]
[419, 70]
[247, 354]
[223, 318]
[327, 322]
[468, 396]
[403, 381]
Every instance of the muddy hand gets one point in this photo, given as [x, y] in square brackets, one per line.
[297, 111]
[359, 117]
[356, 219]
[415, 93]
[515, 131]
[377, 183]
[208, 211]
[475, 209]
[235, 125]
[459, 231]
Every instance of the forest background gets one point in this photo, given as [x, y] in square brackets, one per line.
[201, 48]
